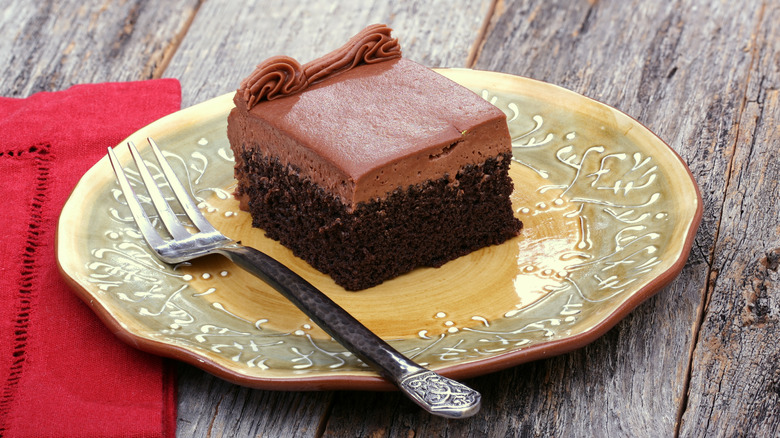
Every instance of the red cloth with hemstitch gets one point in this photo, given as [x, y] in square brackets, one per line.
[63, 372]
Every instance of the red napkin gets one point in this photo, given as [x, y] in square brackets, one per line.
[63, 373]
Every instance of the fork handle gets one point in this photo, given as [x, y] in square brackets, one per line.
[437, 394]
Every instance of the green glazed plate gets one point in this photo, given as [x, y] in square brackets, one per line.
[609, 213]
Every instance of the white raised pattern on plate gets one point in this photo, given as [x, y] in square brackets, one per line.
[605, 187]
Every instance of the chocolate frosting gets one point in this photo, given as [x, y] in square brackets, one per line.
[372, 129]
[281, 76]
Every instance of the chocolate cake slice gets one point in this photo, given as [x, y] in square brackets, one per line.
[368, 165]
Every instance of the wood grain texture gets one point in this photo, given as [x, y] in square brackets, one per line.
[735, 381]
[638, 56]
[51, 45]
[213, 407]
[227, 39]
[698, 359]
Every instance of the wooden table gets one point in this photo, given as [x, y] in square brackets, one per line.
[700, 358]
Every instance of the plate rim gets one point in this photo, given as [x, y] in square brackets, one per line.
[364, 381]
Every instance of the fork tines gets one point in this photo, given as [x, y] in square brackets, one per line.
[164, 210]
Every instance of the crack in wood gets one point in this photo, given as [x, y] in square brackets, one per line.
[214, 417]
[494, 11]
[663, 54]
[170, 50]
[125, 32]
[586, 21]
[759, 309]
[712, 270]
[322, 425]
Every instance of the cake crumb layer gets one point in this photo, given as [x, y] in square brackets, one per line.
[425, 225]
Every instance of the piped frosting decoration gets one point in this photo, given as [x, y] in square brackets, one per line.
[281, 76]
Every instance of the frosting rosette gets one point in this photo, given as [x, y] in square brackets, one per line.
[277, 76]
[281, 76]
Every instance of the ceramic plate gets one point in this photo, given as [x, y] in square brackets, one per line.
[610, 212]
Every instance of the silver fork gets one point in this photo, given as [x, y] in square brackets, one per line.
[436, 394]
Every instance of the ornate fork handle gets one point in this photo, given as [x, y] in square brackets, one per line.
[436, 394]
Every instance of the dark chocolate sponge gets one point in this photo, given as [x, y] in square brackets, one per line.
[426, 224]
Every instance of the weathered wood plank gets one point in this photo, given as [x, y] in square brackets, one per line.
[47, 46]
[679, 68]
[212, 407]
[227, 39]
[735, 382]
